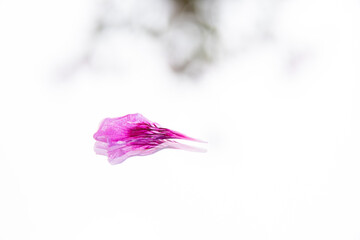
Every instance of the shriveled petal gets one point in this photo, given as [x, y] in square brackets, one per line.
[134, 135]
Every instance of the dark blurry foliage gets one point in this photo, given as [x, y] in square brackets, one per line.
[189, 34]
[195, 19]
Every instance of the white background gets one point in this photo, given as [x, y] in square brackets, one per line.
[281, 118]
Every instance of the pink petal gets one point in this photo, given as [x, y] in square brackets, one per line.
[134, 135]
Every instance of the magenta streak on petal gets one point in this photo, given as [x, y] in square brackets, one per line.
[134, 135]
[152, 131]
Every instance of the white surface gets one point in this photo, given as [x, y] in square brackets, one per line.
[281, 118]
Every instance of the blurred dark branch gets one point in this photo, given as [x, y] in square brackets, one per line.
[183, 13]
